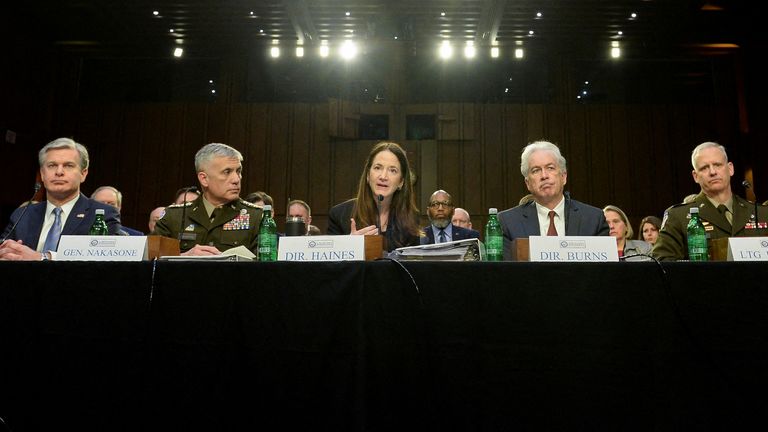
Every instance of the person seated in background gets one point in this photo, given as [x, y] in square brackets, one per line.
[313, 230]
[649, 229]
[619, 227]
[689, 198]
[525, 199]
[186, 194]
[299, 208]
[550, 213]
[218, 219]
[155, 216]
[723, 213]
[385, 202]
[260, 198]
[461, 218]
[441, 230]
[111, 196]
[66, 211]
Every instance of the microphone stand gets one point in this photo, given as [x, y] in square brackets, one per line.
[23, 212]
[748, 185]
[379, 199]
[566, 207]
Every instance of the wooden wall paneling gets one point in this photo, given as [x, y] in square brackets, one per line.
[467, 121]
[534, 123]
[595, 165]
[448, 118]
[488, 175]
[238, 128]
[515, 139]
[556, 126]
[173, 168]
[218, 123]
[319, 165]
[662, 175]
[193, 137]
[579, 154]
[620, 165]
[139, 189]
[453, 171]
[300, 150]
[103, 160]
[683, 143]
[641, 157]
[277, 155]
[256, 168]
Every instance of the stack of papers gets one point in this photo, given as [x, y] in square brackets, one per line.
[458, 250]
[240, 253]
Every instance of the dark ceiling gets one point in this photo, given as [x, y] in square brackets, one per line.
[672, 48]
[207, 28]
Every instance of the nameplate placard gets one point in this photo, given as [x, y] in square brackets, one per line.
[101, 248]
[321, 248]
[748, 249]
[573, 249]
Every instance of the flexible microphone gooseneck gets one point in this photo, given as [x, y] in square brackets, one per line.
[379, 199]
[23, 212]
[747, 185]
[565, 209]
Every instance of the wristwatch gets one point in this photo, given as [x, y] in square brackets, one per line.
[44, 256]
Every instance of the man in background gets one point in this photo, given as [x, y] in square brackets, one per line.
[111, 196]
[441, 230]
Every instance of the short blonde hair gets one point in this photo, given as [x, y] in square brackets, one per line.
[629, 232]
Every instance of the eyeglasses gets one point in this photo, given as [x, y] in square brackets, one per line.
[437, 204]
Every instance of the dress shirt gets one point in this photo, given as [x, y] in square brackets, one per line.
[543, 214]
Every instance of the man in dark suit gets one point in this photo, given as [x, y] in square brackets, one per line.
[112, 196]
[35, 236]
[723, 213]
[442, 230]
[550, 212]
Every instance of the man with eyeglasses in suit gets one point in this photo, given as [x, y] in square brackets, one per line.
[441, 230]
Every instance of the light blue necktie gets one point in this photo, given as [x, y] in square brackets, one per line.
[442, 236]
[52, 241]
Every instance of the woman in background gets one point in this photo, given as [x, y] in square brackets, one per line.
[620, 228]
[386, 181]
[649, 229]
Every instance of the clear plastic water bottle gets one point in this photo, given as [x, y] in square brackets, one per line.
[697, 237]
[494, 240]
[267, 236]
[99, 226]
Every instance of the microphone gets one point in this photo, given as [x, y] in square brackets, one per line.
[379, 199]
[566, 206]
[37, 187]
[748, 185]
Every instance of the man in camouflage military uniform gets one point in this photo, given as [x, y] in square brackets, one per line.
[722, 213]
[218, 219]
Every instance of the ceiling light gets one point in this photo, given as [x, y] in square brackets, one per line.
[615, 52]
[530, 32]
[620, 33]
[274, 52]
[495, 52]
[348, 50]
[178, 52]
[213, 91]
[442, 13]
[539, 15]
[586, 82]
[299, 51]
[632, 15]
[324, 49]
[446, 51]
[347, 14]
[519, 53]
[170, 31]
[469, 50]
[210, 81]
[155, 13]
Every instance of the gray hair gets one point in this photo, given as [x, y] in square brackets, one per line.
[213, 150]
[65, 143]
[540, 146]
[118, 194]
[705, 145]
[301, 203]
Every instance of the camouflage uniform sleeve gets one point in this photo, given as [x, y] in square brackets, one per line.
[671, 244]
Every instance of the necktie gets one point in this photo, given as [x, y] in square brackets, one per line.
[552, 231]
[725, 212]
[442, 237]
[52, 241]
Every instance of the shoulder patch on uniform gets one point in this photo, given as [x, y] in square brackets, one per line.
[186, 204]
[249, 204]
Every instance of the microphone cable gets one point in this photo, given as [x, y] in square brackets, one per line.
[23, 212]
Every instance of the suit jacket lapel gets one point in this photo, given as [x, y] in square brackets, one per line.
[530, 220]
[197, 214]
[29, 229]
[572, 220]
[709, 213]
[77, 216]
